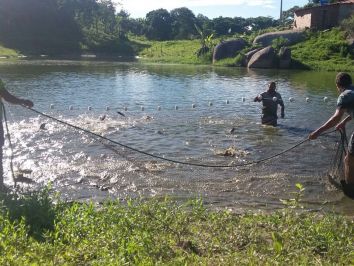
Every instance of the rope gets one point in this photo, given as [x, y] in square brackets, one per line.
[171, 160]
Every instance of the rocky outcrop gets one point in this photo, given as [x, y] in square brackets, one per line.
[228, 49]
[291, 36]
[265, 58]
[284, 57]
[249, 55]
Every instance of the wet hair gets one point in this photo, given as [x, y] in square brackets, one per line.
[272, 85]
[343, 80]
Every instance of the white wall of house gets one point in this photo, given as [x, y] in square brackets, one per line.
[302, 22]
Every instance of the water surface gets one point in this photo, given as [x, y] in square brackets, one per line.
[178, 112]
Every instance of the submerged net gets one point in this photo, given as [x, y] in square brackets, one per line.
[336, 171]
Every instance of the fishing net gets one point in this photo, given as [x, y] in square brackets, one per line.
[336, 171]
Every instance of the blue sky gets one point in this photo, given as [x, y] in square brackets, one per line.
[211, 8]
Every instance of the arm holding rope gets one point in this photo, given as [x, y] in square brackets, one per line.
[7, 96]
[332, 121]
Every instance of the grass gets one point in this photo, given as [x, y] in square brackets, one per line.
[34, 231]
[321, 51]
[175, 52]
[325, 51]
[6, 52]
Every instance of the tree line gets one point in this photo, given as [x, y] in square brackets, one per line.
[70, 26]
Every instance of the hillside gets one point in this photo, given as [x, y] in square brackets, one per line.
[326, 50]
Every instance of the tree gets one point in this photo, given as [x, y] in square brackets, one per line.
[123, 23]
[158, 25]
[205, 24]
[288, 15]
[183, 21]
[348, 26]
[38, 26]
[260, 23]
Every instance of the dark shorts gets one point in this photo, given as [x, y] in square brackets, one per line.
[348, 189]
[269, 120]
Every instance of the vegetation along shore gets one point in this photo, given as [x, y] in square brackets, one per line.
[177, 36]
[36, 231]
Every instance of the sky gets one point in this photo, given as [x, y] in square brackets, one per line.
[211, 8]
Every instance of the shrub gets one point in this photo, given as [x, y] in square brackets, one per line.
[348, 26]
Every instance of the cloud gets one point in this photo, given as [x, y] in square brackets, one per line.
[171, 4]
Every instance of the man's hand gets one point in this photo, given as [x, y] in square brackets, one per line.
[27, 103]
[313, 135]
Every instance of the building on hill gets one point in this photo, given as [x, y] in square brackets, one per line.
[324, 16]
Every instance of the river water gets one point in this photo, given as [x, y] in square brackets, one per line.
[178, 112]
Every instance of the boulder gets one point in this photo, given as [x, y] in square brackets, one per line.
[292, 37]
[249, 55]
[284, 57]
[263, 59]
[228, 49]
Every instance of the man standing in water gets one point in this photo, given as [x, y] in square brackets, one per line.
[345, 103]
[4, 94]
[270, 100]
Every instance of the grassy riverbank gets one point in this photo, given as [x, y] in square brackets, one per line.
[6, 53]
[164, 232]
[327, 51]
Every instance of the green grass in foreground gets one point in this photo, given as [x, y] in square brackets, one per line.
[34, 231]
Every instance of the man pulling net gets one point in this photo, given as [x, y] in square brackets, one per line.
[345, 104]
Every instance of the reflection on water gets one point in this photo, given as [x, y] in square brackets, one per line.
[198, 107]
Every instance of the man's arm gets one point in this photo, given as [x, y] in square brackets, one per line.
[7, 96]
[258, 98]
[331, 122]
